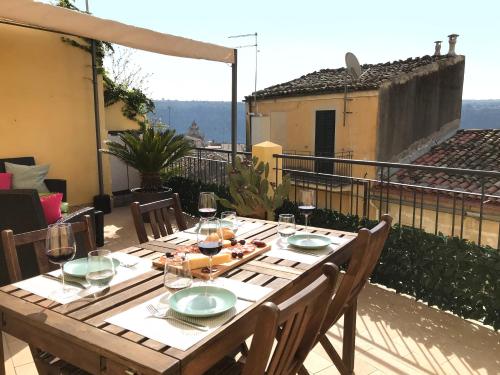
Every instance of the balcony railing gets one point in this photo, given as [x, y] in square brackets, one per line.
[468, 207]
[452, 201]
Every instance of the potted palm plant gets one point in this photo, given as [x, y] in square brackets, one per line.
[151, 151]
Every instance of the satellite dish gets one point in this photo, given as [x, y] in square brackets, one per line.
[352, 64]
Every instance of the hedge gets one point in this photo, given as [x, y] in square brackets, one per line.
[450, 273]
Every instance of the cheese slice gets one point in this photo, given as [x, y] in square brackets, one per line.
[200, 260]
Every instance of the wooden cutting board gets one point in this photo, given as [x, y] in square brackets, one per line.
[221, 268]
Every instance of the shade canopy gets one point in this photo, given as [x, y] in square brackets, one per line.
[58, 19]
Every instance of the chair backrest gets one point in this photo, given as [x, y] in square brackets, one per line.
[12, 243]
[20, 211]
[25, 160]
[158, 215]
[367, 248]
[295, 325]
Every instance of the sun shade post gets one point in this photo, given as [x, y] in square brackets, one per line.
[234, 106]
[97, 117]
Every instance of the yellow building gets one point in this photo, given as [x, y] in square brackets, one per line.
[48, 109]
[392, 111]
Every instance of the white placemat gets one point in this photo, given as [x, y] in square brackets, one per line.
[178, 335]
[281, 249]
[49, 288]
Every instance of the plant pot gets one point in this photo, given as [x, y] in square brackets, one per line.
[138, 195]
[142, 197]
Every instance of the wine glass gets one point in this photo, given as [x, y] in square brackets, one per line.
[177, 273]
[229, 220]
[210, 241]
[207, 205]
[307, 205]
[100, 268]
[286, 225]
[60, 246]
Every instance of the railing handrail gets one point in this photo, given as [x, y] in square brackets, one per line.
[476, 172]
[220, 150]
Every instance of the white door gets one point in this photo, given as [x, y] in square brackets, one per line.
[261, 130]
[278, 129]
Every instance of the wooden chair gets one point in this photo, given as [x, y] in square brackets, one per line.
[294, 324]
[158, 215]
[45, 362]
[367, 248]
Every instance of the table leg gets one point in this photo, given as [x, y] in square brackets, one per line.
[2, 355]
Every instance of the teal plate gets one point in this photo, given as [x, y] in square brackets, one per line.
[202, 301]
[309, 241]
[78, 267]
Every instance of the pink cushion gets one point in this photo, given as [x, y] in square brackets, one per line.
[5, 181]
[51, 205]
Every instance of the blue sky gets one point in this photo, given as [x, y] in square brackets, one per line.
[298, 37]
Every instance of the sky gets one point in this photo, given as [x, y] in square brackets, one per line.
[299, 37]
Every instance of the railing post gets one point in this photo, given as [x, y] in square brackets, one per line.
[264, 152]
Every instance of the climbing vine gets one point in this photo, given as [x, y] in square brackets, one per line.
[136, 104]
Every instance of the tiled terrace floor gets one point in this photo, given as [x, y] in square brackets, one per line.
[396, 335]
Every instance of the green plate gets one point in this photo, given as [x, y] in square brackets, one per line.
[78, 267]
[309, 241]
[202, 301]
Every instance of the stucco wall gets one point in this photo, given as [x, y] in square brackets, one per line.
[115, 120]
[297, 117]
[418, 105]
[47, 108]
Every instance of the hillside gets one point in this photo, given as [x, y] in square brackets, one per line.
[214, 118]
[480, 114]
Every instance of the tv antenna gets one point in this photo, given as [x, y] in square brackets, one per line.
[353, 71]
[256, 45]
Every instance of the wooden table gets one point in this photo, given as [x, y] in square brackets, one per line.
[77, 332]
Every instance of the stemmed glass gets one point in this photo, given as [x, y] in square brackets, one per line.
[210, 241]
[207, 205]
[307, 205]
[60, 247]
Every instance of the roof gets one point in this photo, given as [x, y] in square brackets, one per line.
[53, 18]
[467, 149]
[327, 81]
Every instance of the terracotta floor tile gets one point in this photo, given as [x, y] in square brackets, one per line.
[28, 369]
[315, 363]
[19, 351]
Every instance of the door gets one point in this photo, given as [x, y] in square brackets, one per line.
[324, 140]
[261, 129]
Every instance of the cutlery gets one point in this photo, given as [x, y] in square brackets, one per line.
[157, 314]
[129, 264]
[74, 283]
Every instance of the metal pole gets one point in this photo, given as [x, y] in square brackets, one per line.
[96, 111]
[234, 106]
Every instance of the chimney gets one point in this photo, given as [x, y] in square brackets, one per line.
[452, 40]
[437, 49]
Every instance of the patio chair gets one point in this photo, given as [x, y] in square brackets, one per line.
[45, 362]
[295, 324]
[158, 215]
[367, 248]
[21, 211]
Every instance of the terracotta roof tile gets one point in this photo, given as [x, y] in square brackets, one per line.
[327, 81]
[467, 149]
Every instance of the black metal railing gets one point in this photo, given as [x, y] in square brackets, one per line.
[317, 165]
[452, 201]
[208, 165]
